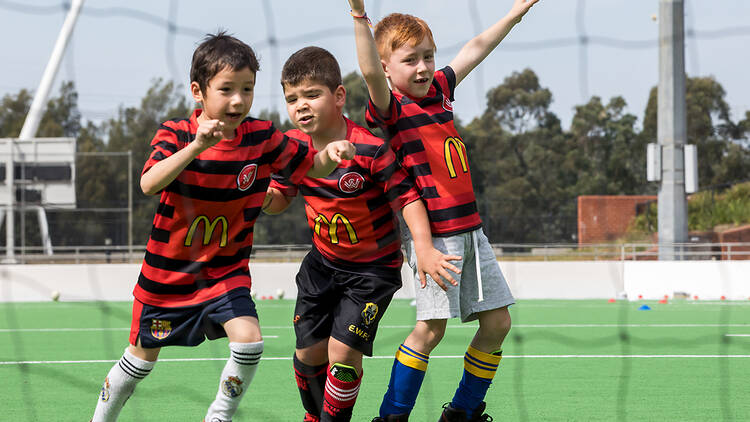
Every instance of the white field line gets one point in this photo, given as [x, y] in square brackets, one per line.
[737, 335]
[390, 357]
[400, 327]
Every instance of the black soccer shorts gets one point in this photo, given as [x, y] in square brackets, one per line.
[345, 305]
[189, 325]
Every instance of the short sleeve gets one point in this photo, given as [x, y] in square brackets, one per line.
[387, 172]
[375, 119]
[446, 78]
[164, 144]
[290, 158]
[283, 185]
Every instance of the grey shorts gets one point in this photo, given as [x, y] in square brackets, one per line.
[462, 300]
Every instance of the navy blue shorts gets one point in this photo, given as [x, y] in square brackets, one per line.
[345, 305]
[189, 325]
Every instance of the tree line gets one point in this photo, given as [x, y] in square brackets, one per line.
[527, 169]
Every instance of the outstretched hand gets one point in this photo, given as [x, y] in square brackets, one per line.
[436, 264]
[520, 8]
[340, 150]
[357, 6]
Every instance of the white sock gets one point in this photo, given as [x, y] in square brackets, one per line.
[119, 385]
[235, 379]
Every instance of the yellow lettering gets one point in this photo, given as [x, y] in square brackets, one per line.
[460, 148]
[333, 227]
[208, 231]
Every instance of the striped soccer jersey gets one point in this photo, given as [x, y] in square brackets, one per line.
[350, 212]
[422, 133]
[202, 233]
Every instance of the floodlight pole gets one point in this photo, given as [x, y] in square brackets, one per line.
[31, 124]
[34, 117]
[672, 129]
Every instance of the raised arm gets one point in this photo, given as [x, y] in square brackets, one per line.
[369, 60]
[479, 47]
[161, 174]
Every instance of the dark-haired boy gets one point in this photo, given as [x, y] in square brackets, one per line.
[413, 104]
[348, 279]
[212, 171]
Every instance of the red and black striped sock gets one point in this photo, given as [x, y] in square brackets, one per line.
[342, 387]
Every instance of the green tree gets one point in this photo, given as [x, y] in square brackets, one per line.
[709, 127]
[516, 148]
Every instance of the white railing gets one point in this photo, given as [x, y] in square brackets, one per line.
[503, 251]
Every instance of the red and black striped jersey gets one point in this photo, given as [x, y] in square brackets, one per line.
[350, 212]
[202, 233]
[427, 145]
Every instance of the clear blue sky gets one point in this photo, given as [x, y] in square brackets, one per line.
[118, 47]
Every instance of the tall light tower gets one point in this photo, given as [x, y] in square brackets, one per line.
[672, 129]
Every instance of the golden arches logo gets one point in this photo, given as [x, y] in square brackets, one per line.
[208, 231]
[460, 148]
[333, 227]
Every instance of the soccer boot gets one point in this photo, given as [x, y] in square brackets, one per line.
[403, 417]
[479, 415]
[452, 415]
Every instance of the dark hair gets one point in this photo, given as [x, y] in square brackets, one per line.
[314, 64]
[219, 51]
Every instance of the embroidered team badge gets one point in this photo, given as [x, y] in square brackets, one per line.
[369, 313]
[160, 328]
[246, 177]
[231, 387]
[104, 396]
[351, 182]
[447, 104]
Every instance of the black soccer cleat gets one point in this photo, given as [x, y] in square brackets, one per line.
[459, 415]
[403, 417]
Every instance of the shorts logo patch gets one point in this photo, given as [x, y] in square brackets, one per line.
[160, 328]
[447, 104]
[104, 395]
[296, 319]
[351, 182]
[247, 176]
[369, 313]
[231, 387]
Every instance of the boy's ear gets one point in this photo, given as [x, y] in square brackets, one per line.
[385, 68]
[340, 95]
[195, 91]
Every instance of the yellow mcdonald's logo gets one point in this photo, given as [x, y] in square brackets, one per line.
[208, 231]
[333, 226]
[460, 148]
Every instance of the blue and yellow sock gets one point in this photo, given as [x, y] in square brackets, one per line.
[407, 375]
[479, 369]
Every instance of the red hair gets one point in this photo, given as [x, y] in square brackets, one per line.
[398, 29]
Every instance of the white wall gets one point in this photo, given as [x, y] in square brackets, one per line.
[528, 280]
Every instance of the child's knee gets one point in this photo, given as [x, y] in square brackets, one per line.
[495, 323]
[429, 333]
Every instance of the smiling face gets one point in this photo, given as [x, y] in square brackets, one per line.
[228, 97]
[314, 109]
[411, 68]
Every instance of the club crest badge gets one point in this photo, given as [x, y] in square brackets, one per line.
[104, 395]
[351, 182]
[447, 104]
[369, 313]
[247, 176]
[231, 387]
[160, 328]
